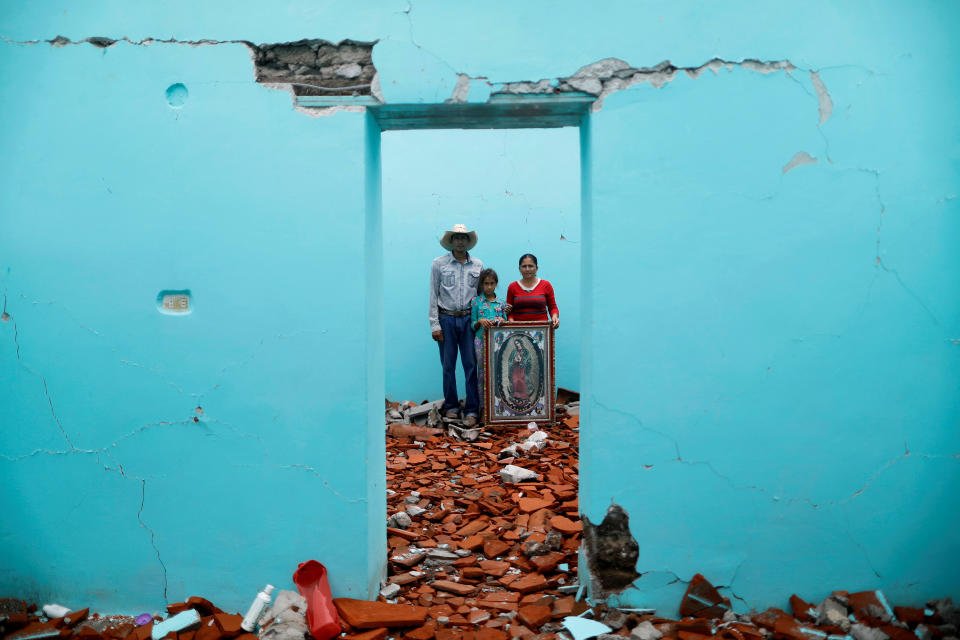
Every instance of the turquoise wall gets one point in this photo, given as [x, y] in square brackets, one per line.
[110, 198]
[525, 200]
[770, 357]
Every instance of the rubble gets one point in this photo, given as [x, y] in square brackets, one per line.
[494, 536]
[179, 622]
[286, 619]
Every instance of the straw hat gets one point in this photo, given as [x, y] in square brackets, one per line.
[458, 228]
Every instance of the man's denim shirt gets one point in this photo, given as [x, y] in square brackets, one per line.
[452, 285]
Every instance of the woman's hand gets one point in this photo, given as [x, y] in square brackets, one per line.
[556, 322]
[507, 308]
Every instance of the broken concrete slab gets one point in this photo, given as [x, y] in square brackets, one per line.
[422, 410]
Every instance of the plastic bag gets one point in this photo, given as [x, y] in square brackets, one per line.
[311, 580]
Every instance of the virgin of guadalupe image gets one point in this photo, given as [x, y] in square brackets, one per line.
[520, 374]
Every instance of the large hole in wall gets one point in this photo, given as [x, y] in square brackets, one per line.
[611, 552]
[317, 67]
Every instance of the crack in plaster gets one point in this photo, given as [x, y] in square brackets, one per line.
[137, 365]
[256, 350]
[609, 75]
[878, 259]
[43, 379]
[325, 483]
[163, 566]
[773, 497]
[102, 42]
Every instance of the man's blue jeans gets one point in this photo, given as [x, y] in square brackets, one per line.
[458, 334]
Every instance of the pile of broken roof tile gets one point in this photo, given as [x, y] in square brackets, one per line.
[19, 621]
[482, 532]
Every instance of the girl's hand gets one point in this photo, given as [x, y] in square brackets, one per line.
[485, 323]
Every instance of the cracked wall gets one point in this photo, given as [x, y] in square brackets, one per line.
[774, 404]
[101, 434]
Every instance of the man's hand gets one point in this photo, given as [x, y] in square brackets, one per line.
[437, 335]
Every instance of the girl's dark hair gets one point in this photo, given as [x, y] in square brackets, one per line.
[528, 255]
[486, 273]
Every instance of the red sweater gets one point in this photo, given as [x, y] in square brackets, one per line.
[532, 305]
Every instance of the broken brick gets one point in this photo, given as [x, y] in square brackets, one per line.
[529, 583]
[426, 632]
[565, 525]
[495, 548]
[703, 600]
[362, 614]
[534, 615]
[803, 610]
[374, 634]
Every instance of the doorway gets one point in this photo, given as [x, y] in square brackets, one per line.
[519, 189]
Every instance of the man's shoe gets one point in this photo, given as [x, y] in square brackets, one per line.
[453, 414]
[470, 421]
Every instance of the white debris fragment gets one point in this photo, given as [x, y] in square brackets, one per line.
[513, 473]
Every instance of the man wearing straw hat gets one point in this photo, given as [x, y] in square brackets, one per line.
[453, 283]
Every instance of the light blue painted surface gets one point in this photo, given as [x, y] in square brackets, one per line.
[111, 197]
[526, 199]
[789, 337]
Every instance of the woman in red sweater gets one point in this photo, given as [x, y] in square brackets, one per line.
[532, 298]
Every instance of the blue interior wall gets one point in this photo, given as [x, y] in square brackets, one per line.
[774, 402]
[812, 383]
[106, 203]
[526, 199]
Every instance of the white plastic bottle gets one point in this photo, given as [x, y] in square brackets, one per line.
[256, 609]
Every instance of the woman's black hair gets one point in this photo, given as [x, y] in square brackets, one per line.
[486, 273]
[528, 255]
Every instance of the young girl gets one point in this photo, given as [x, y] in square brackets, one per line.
[485, 311]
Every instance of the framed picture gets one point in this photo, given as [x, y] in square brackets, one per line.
[518, 374]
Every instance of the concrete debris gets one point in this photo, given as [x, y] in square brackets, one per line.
[390, 591]
[286, 619]
[615, 619]
[645, 631]
[433, 418]
[399, 520]
[536, 440]
[461, 434]
[513, 473]
[420, 411]
[833, 612]
[55, 610]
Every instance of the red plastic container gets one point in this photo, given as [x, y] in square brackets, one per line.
[311, 580]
